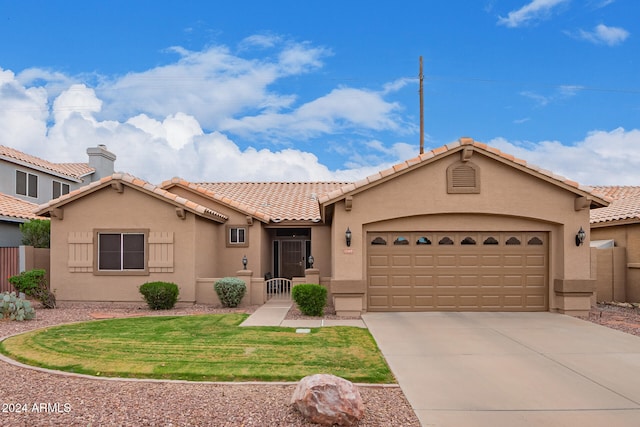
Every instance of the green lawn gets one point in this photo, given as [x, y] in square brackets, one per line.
[201, 348]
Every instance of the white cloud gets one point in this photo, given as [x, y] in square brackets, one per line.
[603, 34]
[61, 124]
[534, 11]
[601, 158]
[342, 108]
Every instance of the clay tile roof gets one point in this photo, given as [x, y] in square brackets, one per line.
[71, 170]
[136, 183]
[12, 207]
[447, 149]
[277, 201]
[625, 204]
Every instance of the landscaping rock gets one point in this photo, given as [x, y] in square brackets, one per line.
[328, 400]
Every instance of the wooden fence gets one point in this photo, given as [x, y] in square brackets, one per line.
[9, 266]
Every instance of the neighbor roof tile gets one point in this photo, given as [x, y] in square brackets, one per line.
[12, 207]
[72, 170]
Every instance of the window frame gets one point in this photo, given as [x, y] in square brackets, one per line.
[30, 187]
[122, 272]
[229, 234]
[63, 188]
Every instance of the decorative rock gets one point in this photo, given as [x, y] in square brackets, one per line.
[328, 400]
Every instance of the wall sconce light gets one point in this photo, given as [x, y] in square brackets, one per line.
[311, 260]
[580, 237]
[244, 262]
[347, 236]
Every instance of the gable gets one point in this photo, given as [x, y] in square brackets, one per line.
[463, 169]
[121, 183]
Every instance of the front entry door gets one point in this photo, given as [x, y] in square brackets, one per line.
[292, 257]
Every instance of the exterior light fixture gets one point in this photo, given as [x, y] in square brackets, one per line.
[347, 236]
[580, 237]
[311, 260]
[244, 262]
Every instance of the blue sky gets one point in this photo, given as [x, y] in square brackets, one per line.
[321, 90]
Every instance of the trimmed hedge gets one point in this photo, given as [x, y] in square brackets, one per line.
[160, 295]
[230, 291]
[310, 298]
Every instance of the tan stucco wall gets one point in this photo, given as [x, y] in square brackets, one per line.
[229, 259]
[131, 209]
[625, 236]
[509, 200]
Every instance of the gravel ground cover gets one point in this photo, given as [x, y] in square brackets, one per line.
[33, 398]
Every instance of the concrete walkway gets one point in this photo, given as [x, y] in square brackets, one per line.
[274, 311]
[511, 369]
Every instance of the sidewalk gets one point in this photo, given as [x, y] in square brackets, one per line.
[274, 311]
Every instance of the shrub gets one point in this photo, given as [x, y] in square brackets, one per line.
[310, 299]
[14, 308]
[230, 291]
[36, 233]
[160, 295]
[34, 284]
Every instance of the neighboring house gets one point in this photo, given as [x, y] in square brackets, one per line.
[463, 227]
[616, 230]
[27, 181]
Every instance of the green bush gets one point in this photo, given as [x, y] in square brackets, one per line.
[310, 299]
[36, 233]
[14, 308]
[230, 291]
[160, 295]
[34, 284]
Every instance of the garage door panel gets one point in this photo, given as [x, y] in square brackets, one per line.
[378, 261]
[424, 260]
[535, 261]
[423, 281]
[446, 260]
[401, 260]
[501, 272]
[468, 260]
[378, 281]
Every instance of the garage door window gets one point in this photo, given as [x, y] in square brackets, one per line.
[535, 241]
[468, 241]
[378, 241]
[423, 241]
[445, 241]
[490, 241]
[401, 241]
[513, 241]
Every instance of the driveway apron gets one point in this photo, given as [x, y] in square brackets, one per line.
[511, 369]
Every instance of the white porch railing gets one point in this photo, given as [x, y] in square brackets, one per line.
[278, 287]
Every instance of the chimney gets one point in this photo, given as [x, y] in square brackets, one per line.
[102, 161]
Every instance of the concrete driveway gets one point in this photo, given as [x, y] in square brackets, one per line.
[511, 369]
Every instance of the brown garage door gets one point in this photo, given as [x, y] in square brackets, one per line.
[457, 271]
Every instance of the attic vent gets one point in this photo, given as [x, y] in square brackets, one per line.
[463, 178]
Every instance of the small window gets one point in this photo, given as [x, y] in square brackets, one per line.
[535, 241]
[26, 184]
[59, 189]
[121, 252]
[490, 241]
[445, 241]
[468, 241]
[237, 236]
[513, 241]
[423, 241]
[378, 241]
[401, 241]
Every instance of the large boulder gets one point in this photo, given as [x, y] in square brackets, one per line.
[328, 400]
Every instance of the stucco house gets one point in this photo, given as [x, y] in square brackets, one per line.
[27, 181]
[464, 227]
[615, 235]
